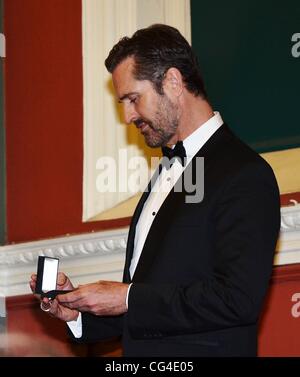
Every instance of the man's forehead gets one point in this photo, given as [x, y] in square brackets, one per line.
[125, 67]
[122, 76]
[125, 83]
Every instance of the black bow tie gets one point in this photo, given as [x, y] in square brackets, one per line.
[177, 152]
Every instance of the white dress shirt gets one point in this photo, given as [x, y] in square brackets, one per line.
[165, 183]
[157, 196]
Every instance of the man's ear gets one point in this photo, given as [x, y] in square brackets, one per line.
[173, 83]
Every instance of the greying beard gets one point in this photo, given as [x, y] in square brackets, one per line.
[161, 137]
[164, 127]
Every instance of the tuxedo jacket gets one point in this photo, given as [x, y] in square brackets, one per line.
[204, 270]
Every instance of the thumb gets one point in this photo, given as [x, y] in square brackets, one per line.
[62, 278]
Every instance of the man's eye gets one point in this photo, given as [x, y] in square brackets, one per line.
[133, 100]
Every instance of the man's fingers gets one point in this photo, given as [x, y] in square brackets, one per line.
[62, 312]
[54, 309]
[70, 305]
[68, 298]
[61, 278]
[45, 300]
[32, 282]
[32, 285]
[73, 301]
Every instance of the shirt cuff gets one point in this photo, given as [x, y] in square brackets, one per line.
[127, 296]
[76, 326]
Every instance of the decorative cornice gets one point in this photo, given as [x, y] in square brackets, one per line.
[100, 255]
[290, 217]
[85, 257]
[83, 245]
[288, 246]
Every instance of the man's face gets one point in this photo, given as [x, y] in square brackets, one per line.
[155, 115]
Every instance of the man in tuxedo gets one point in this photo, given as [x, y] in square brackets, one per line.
[196, 271]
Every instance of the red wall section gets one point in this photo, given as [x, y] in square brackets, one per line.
[44, 120]
[280, 323]
[47, 336]
[285, 199]
[278, 331]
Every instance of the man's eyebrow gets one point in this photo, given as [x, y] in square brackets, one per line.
[126, 96]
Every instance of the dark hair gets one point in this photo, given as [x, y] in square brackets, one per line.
[155, 49]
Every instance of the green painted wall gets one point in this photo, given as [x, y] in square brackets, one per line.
[245, 50]
[2, 147]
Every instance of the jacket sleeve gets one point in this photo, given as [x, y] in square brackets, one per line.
[247, 221]
[96, 328]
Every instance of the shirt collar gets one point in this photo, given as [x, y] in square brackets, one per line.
[199, 137]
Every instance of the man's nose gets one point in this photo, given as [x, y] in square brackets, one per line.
[130, 115]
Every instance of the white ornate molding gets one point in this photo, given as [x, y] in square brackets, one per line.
[290, 217]
[288, 246]
[100, 255]
[85, 258]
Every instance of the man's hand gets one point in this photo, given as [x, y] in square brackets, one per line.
[102, 298]
[55, 309]
[63, 282]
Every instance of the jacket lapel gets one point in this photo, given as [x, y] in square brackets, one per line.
[160, 225]
[169, 208]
